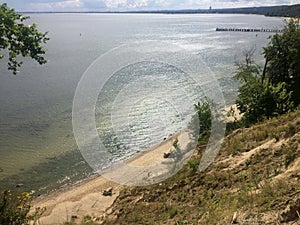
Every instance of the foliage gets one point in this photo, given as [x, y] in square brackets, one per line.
[18, 39]
[14, 210]
[281, 10]
[283, 58]
[285, 10]
[204, 116]
[248, 69]
[177, 150]
[175, 143]
[273, 91]
[86, 220]
[260, 101]
[194, 165]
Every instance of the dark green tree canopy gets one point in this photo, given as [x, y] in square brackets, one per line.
[18, 39]
[275, 89]
[283, 58]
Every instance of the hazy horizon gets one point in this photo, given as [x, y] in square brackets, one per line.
[135, 5]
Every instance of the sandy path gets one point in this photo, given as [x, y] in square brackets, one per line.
[85, 198]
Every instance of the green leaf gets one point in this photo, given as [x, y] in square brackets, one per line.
[20, 39]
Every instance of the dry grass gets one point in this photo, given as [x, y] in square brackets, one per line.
[253, 190]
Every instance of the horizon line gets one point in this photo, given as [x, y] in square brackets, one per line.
[162, 11]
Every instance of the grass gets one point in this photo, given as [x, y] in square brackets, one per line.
[214, 196]
[244, 139]
[86, 220]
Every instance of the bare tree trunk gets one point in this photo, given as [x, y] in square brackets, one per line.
[263, 77]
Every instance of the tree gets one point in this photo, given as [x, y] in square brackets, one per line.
[258, 101]
[204, 117]
[283, 59]
[18, 39]
[276, 90]
[247, 69]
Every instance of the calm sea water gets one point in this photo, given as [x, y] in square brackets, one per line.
[37, 146]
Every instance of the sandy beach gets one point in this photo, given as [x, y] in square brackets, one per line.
[85, 197]
[75, 201]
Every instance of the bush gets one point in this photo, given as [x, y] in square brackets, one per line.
[204, 116]
[193, 164]
[14, 209]
[260, 101]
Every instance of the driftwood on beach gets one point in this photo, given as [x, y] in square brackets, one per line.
[108, 192]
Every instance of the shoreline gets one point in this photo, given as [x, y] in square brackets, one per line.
[85, 197]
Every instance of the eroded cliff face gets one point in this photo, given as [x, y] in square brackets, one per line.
[254, 180]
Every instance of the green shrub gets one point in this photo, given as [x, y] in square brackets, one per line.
[193, 165]
[204, 117]
[14, 209]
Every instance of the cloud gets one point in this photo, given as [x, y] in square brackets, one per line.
[94, 4]
[57, 5]
[136, 3]
[112, 4]
[102, 5]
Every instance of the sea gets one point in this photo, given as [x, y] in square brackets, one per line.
[137, 104]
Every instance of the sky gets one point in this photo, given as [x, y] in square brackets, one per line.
[123, 5]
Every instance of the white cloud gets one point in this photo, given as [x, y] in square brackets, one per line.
[67, 4]
[115, 3]
[73, 5]
[295, 1]
[137, 3]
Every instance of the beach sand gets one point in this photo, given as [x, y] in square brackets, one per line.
[75, 201]
[86, 197]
